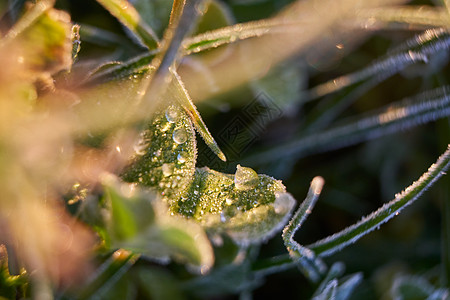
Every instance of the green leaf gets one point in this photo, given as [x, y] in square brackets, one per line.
[141, 223]
[246, 206]
[128, 215]
[165, 155]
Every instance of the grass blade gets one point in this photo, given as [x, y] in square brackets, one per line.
[336, 242]
[128, 16]
[415, 50]
[108, 274]
[185, 100]
[424, 108]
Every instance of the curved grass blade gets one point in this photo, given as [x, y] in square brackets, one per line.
[336, 242]
[128, 16]
[310, 265]
[427, 107]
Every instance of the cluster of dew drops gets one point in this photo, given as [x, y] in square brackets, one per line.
[244, 178]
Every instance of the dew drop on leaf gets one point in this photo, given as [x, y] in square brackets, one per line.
[245, 178]
[157, 153]
[167, 169]
[179, 136]
[172, 114]
[181, 158]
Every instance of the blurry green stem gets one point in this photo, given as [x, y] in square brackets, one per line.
[108, 273]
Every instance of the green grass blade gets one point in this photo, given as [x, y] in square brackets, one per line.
[230, 34]
[181, 94]
[108, 274]
[424, 108]
[128, 16]
[415, 50]
[338, 241]
[336, 270]
[154, 86]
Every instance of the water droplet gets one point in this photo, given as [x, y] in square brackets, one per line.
[179, 136]
[166, 126]
[195, 192]
[167, 169]
[245, 178]
[140, 147]
[223, 217]
[182, 157]
[283, 203]
[172, 114]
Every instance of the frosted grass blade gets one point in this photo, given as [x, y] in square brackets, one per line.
[237, 32]
[308, 262]
[346, 288]
[427, 107]
[336, 270]
[336, 242]
[415, 50]
[154, 86]
[182, 96]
